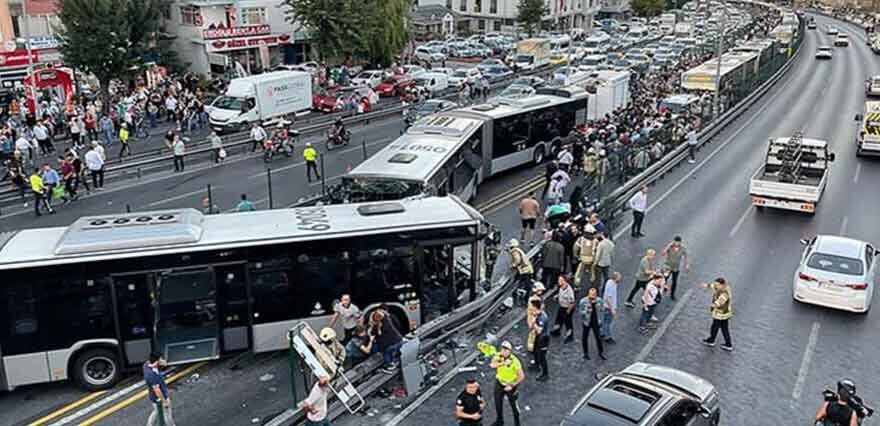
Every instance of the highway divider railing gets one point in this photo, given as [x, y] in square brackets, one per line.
[617, 201]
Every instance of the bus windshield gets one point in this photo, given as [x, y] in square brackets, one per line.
[357, 190]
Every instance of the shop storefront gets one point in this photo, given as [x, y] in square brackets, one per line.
[252, 49]
[14, 65]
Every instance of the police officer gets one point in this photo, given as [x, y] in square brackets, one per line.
[310, 155]
[508, 375]
[839, 413]
[470, 404]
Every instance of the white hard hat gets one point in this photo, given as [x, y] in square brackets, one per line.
[602, 153]
[513, 243]
[327, 334]
[591, 150]
[506, 345]
[308, 144]
[538, 286]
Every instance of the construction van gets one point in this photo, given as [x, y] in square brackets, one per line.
[793, 176]
[868, 138]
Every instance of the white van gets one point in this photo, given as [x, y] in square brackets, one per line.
[433, 81]
[273, 96]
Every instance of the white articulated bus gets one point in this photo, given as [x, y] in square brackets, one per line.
[85, 302]
[453, 151]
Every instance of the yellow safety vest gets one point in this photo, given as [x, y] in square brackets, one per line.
[507, 372]
[309, 154]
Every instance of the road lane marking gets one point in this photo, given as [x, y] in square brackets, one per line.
[858, 172]
[138, 396]
[493, 206]
[805, 364]
[741, 220]
[302, 163]
[843, 226]
[41, 421]
[679, 306]
[181, 196]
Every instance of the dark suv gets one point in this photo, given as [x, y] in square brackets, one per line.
[648, 395]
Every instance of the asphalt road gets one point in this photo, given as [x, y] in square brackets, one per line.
[786, 353]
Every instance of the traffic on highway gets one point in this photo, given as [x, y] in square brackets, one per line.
[657, 219]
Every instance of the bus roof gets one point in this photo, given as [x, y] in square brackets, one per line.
[176, 231]
[507, 107]
[416, 154]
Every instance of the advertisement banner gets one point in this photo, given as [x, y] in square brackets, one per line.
[242, 31]
[227, 44]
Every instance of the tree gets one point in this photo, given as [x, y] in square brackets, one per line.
[334, 25]
[113, 38]
[391, 33]
[531, 13]
[94, 38]
[648, 8]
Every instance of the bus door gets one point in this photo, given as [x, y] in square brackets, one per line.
[233, 307]
[185, 309]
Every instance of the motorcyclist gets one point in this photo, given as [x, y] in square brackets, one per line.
[839, 413]
[337, 131]
[282, 139]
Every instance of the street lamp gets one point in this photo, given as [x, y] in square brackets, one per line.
[719, 48]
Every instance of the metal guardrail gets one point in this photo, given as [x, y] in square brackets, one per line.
[617, 200]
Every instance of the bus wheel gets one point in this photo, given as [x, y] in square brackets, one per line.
[96, 369]
[539, 155]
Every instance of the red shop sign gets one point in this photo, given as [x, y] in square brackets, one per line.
[242, 31]
[18, 58]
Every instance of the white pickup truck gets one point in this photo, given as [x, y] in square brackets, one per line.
[793, 176]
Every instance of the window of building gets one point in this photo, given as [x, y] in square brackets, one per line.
[496, 26]
[493, 6]
[191, 15]
[462, 6]
[253, 16]
[449, 4]
[478, 6]
[481, 24]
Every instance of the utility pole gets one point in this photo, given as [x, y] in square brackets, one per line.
[30, 67]
[716, 107]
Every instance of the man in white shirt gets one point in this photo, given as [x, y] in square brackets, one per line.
[565, 159]
[692, 143]
[566, 299]
[26, 148]
[649, 302]
[41, 133]
[315, 405]
[258, 135]
[100, 149]
[639, 205]
[95, 164]
[170, 107]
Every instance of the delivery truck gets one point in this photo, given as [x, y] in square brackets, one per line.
[532, 53]
[267, 98]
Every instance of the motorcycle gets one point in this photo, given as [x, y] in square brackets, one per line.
[337, 140]
[285, 146]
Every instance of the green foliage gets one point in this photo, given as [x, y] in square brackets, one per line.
[531, 12]
[374, 30]
[112, 38]
[648, 8]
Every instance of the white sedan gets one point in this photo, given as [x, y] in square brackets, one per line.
[836, 272]
[823, 52]
[831, 30]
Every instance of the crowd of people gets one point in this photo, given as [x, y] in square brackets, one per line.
[67, 143]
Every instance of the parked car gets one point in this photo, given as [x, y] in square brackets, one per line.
[431, 106]
[395, 84]
[434, 82]
[531, 81]
[557, 59]
[648, 395]
[413, 70]
[424, 53]
[489, 62]
[333, 99]
[369, 78]
[497, 73]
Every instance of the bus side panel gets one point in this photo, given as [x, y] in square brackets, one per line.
[26, 369]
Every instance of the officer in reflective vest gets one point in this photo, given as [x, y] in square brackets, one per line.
[508, 375]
